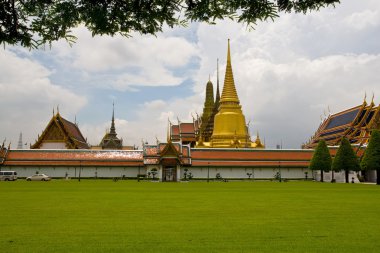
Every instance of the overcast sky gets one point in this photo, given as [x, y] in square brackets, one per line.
[287, 73]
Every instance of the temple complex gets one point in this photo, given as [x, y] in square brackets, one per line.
[355, 124]
[213, 146]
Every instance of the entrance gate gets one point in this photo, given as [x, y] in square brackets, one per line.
[169, 174]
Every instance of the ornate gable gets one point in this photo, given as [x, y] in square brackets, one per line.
[53, 133]
[170, 151]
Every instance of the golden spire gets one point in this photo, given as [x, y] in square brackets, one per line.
[229, 93]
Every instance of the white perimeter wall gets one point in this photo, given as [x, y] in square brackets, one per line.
[258, 173]
[198, 172]
[92, 172]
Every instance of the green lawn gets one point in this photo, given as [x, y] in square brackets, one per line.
[127, 216]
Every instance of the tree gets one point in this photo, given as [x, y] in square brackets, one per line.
[345, 159]
[371, 158]
[32, 23]
[321, 158]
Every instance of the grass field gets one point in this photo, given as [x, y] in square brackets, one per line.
[127, 216]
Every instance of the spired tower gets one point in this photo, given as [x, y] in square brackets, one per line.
[110, 141]
[208, 106]
[230, 129]
[207, 133]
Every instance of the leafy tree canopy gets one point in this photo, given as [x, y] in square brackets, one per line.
[31, 23]
[345, 158]
[371, 158]
[321, 158]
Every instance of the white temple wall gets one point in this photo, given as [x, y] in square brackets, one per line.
[340, 177]
[53, 145]
[197, 172]
[241, 173]
[73, 172]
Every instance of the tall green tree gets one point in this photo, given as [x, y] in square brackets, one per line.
[345, 159]
[321, 158]
[371, 158]
[32, 23]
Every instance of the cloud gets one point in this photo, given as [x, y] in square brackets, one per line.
[26, 93]
[363, 19]
[141, 60]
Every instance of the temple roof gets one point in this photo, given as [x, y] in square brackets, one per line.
[250, 157]
[110, 140]
[62, 130]
[74, 158]
[355, 124]
[153, 154]
[183, 132]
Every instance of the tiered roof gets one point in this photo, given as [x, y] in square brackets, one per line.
[73, 158]
[62, 130]
[185, 132]
[355, 124]
[250, 158]
[167, 152]
[110, 140]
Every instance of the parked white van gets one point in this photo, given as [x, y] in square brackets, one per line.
[8, 175]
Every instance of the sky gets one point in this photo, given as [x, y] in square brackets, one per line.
[288, 74]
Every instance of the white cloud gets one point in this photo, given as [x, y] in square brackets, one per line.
[364, 19]
[26, 93]
[136, 61]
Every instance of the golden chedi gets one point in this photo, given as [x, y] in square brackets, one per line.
[230, 129]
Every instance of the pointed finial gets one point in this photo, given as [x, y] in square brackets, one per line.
[113, 129]
[157, 140]
[209, 77]
[217, 96]
[228, 52]
[229, 93]
[373, 96]
[365, 96]
[57, 109]
[53, 111]
[168, 137]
